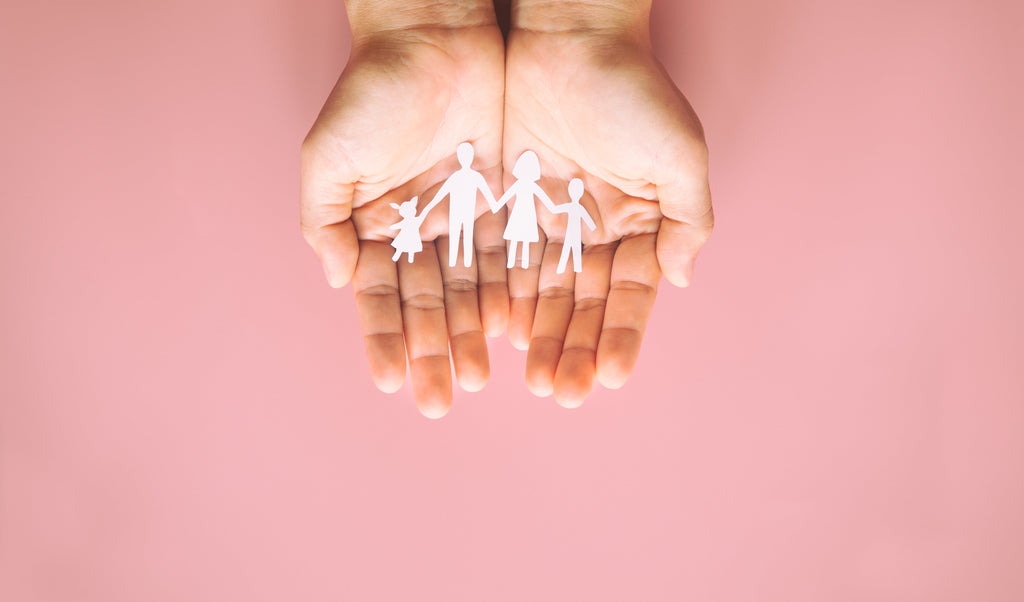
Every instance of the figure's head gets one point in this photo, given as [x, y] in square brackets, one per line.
[527, 167]
[465, 154]
[408, 208]
[575, 189]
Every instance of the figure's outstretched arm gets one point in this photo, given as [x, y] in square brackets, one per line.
[586, 218]
[505, 197]
[563, 208]
[484, 189]
[544, 198]
[441, 193]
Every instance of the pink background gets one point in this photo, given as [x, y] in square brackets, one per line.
[833, 412]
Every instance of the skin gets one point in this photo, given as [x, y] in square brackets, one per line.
[578, 84]
[584, 90]
[421, 79]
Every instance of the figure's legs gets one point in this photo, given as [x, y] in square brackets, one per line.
[467, 244]
[526, 255]
[511, 254]
[397, 254]
[565, 256]
[453, 243]
[410, 256]
[577, 261]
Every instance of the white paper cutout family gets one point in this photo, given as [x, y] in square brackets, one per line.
[462, 187]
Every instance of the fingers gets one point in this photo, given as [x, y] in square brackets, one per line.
[522, 292]
[634, 285]
[426, 332]
[380, 314]
[465, 333]
[491, 273]
[325, 201]
[574, 377]
[686, 225]
[554, 308]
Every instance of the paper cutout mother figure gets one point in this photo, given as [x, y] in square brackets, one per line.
[573, 231]
[522, 220]
[462, 187]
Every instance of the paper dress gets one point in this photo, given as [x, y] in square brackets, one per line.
[522, 219]
[408, 238]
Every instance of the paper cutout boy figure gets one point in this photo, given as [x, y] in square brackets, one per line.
[573, 231]
[522, 220]
[462, 187]
[408, 238]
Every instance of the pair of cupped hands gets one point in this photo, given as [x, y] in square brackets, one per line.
[594, 103]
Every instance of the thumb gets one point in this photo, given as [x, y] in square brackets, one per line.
[686, 225]
[326, 191]
[337, 246]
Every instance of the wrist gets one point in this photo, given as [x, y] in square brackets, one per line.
[622, 18]
[370, 18]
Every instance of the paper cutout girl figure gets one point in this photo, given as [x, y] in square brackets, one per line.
[462, 187]
[522, 220]
[573, 231]
[408, 238]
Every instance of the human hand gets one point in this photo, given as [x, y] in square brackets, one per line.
[422, 78]
[584, 91]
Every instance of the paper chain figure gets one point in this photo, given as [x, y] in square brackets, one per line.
[462, 187]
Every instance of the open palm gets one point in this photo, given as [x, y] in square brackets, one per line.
[388, 133]
[605, 111]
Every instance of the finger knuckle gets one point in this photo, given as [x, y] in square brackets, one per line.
[554, 293]
[460, 285]
[424, 301]
[585, 304]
